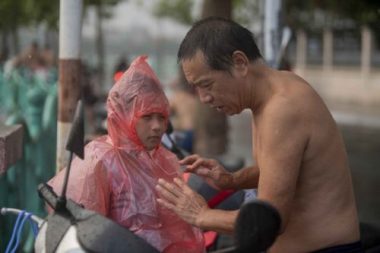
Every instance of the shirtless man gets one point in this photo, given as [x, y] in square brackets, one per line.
[302, 166]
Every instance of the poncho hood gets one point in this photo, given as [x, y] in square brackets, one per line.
[138, 92]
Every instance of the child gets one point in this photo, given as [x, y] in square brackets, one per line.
[117, 178]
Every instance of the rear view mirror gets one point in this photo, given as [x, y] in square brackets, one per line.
[256, 227]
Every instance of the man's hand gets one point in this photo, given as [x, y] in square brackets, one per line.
[210, 170]
[182, 200]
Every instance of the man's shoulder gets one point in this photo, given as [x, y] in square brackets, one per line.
[295, 99]
[281, 108]
[288, 111]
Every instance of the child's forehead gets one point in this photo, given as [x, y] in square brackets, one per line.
[153, 113]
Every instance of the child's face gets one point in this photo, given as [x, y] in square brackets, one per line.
[150, 128]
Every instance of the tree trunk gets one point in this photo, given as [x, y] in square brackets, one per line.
[218, 8]
[15, 41]
[4, 46]
[211, 126]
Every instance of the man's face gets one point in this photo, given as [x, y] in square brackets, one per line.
[214, 87]
[150, 128]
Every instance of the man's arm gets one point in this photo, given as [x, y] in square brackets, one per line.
[218, 220]
[192, 208]
[246, 178]
[218, 177]
[282, 141]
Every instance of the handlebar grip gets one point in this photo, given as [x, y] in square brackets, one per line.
[47, 193]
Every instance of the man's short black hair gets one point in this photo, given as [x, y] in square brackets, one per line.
[217, 38]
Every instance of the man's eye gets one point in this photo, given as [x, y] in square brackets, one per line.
[205, 86]
[147, 117]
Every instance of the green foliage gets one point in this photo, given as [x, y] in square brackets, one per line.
[179, 10]
[12, 13]
[364, 12]
[315, 13]
[104, 5]
[101, 2]
[16, 13]
[40, 11]
[245, 11]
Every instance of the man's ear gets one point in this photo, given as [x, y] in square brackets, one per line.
[240, 62]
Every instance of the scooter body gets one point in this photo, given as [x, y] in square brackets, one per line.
[76, 229]
[69, 241]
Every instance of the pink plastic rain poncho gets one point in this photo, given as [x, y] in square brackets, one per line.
[118, 176]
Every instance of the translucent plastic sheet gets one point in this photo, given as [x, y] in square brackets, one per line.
[118, 176]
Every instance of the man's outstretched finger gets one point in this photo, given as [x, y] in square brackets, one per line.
[200, 161]
[165, 194]
[203, 172]
[208, 163]
[173, 189]
[168, 191]
[166, 204]
[189, 159]
[184, 187]
[179, 182]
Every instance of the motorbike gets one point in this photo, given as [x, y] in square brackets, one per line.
[72, 228]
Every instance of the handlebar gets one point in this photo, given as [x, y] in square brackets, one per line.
[36, 219]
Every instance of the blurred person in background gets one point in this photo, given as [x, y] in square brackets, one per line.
[49, 56]
[30, 57]
[183, 104]
[121, 66]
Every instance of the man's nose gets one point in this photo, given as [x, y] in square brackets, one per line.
[205, 97]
